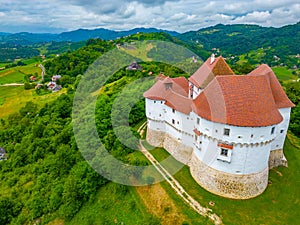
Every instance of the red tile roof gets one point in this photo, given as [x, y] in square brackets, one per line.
[206, 73]
[280, 98]
[159, 91]
[238, 100]
[175, 97]
[179, 103]
[246, 100]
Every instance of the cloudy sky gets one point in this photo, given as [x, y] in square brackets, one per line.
[55, 16]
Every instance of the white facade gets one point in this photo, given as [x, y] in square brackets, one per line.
[163, 118]
[242, 150]
[194, 91]
[281, 129]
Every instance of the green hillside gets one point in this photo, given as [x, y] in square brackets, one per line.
[237, 40]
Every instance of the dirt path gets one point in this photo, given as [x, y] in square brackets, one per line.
[206, 212]
[12, 84]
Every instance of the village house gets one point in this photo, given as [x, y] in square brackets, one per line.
[134, 66]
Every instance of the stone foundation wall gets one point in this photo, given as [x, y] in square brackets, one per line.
[236, 186]
[277, 158]
[155, 138]
[179, 151]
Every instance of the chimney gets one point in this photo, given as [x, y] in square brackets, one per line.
[212, 58]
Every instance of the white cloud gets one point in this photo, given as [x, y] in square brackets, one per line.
[180, 15]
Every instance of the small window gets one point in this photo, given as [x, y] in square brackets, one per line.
[173, 110]
[198, 120]
[216, 131]
[252, 135]
[196, 137]
[159, 114]
[200, 142]
[224, 152]
[226, 131]
[154, 101]
[239, 137]
[281, 131]
[177, 122]
[173, 121]
[161, 102]
[273, 130]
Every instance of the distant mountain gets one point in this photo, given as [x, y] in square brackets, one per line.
[26, 38]
[4, 34]
[240, 39]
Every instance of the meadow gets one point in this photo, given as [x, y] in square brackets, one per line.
[284, 74]
[13, 98]
[16, 74]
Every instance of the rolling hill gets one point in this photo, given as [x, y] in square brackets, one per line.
[240, 39]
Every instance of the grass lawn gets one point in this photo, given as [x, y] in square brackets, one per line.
[279, 204]
[282, 73]
[113, 204]
[13, 98]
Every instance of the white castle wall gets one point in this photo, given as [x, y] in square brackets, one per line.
[277, 157]
[195, 91]
[281, 129]
[251, 147]
[243, 173]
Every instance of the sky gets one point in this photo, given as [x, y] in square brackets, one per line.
[55, 16]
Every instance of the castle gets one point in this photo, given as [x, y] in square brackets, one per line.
[229, 129]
